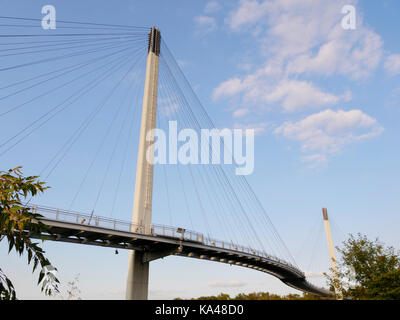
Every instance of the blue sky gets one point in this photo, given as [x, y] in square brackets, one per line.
[325, 105]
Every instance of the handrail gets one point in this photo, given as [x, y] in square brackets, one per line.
[154, 230]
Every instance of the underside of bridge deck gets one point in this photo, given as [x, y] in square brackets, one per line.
[155, 247]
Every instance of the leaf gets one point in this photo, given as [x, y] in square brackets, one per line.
[29, 256]
[41, 275]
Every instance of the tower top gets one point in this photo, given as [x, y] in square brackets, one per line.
[325, 213]
[154, 41]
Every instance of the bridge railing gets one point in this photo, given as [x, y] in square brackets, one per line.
[154, 230]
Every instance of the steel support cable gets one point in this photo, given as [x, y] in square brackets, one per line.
[222, 225]
[207, 116]
[164, 171]
[167, 86]
[93, 115]
[117, 141]
[54, 71]
[208, 228]
[84, 123]
[197, 124]
[67, 46]
[269, 222]
[267, 225]
[78, 66]
[222, 185]
[309, 237]
[100, 147]
[312, 246]
[64, 27]
[122, 61]
[74, 22]
[203, 212]
[52, 116]
[198, 195]
[64, 35]
[187, 121]
[48, 42]
[61, 57]
[50, 72]
[168, 198]
[336, 229]
[315, 243]
[185, 196]
[202, 108]
[134, 102]
[207, 225]
[58, 105]
[183, 103]
[182, 96]
[162, 93]
[224, 177]
[61, 43]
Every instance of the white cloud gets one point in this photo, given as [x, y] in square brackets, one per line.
[249, 12]
[354, 55]
[290, 95]
[327, 132]
[205, 24]
[226, 284]
[212, 7]
[295, 95]
[240, 113]
[257, 127]
[168, 106]
[298, 38]
[392, 64]
[228, 88]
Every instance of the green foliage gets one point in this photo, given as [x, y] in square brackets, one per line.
[17, 222]
[368, 270]
[73, 290]
[259, 296]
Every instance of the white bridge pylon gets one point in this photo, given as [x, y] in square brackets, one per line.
[138, 271]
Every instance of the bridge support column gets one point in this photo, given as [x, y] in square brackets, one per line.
[137, 285]
[138, 270]
[331, 248]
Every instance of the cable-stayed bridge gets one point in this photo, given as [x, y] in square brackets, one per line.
[126, 71]
[162, 241]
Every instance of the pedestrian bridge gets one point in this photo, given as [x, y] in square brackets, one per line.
[161, 241]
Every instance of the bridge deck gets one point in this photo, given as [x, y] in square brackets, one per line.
[160, 241]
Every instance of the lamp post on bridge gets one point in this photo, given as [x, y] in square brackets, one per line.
[138, 271]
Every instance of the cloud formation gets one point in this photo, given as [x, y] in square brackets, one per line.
[205, 24]
[212, 7]
[392, 64]
[325, 133]
[299, 38]
[302, 42]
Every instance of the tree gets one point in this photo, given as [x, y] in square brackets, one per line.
[259, 296]
[73, 290]
[368, 270]
[17, 222]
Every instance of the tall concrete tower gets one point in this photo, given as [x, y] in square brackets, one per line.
[331, 251]
[138, 271]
